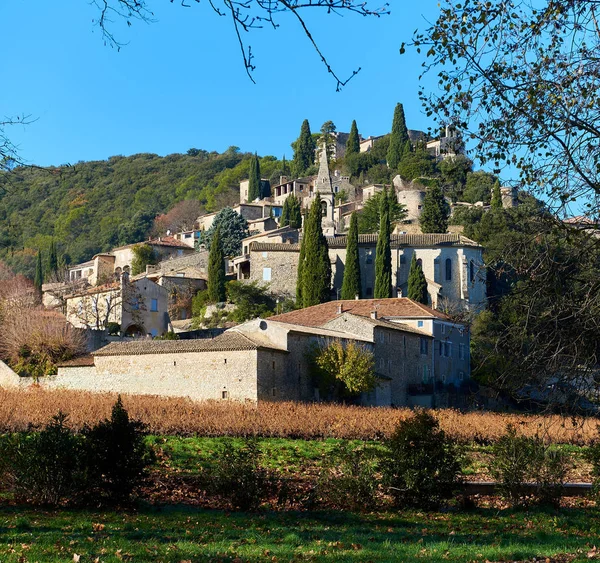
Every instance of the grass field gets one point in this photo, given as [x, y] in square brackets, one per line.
[177, 534]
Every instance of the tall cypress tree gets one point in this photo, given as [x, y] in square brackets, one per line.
[496, 196]
[284, 221]
[254, 186]
[295, 212]
[304, 150]
[353, 142]
[351, 284]
[216, 269]
[316, 267]
[38, 280]
[300, 273]
[436, 212]
[399, 141]
[52, 260]
[383, 252]
[417, 284]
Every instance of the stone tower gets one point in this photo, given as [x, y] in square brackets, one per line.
[324, 188]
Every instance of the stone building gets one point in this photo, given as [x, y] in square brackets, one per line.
[453, 266]
[419, 354]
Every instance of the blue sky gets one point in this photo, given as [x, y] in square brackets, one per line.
[180, 82]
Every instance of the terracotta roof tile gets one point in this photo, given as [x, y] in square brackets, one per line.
[228, 341]
[398, 307]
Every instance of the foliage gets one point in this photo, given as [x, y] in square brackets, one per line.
[501, 61]
[117, 456]
[436, 212]
[478, 187]
[422, 466]
[254, 180]
[496, 201]
[353, 142]
[44, 467]
[113, 329]
[453, 172]
[232, 227]
[327, 139]
[251, 300]
[143, 255]
[169, 335]
[304, 151]
[38, 280]
[351, 284]
[343, 370]
[291, 213]
[349, 478]
[399, 144]
[593, 457]
[416, 164]
[315, 266]
[95, 206]
[216, 268]
[383, 252]
[181, 217]
[52, 266]
[238, 475]
[369, 218]
[417, 284]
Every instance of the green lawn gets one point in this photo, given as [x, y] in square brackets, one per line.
[177, 534]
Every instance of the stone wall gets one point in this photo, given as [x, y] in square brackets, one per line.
[8, 378]
[278, 269]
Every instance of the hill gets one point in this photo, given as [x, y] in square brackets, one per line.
[92, 207]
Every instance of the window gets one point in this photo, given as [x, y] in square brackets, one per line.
[448, 349]
[389, 338]
[448, 269]
[180, 253]
[420, 263]
[461, 351]
[443, 378]
[369, 256]
[225, 361]
[461, 375]
[264, 254]
[425, 374]
[188, 235]
[224, 394]
[154, 305]
[273, 364]
[175, 364]
[390, 364]
[324, 208]
[266, 274]
[369, 292]
[404, 341]
[424, 346]
[402, 259]
[420, 324]
[381, 364]
[443, 329]
[273, 391]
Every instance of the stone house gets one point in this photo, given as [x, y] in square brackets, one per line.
[139, 306]
[453, 266]
[249, 211]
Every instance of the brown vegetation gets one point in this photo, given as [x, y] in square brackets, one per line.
[173, 416]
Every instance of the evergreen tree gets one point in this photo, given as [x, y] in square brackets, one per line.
[351, 284]
[295, 212]
[417, 284]
[436, 211]
[327, 139]
[39, 274]
[254, 186]
[353, 142]
[304, 150]
[496, 196]
[383, 252]
[316, 267]
[399, 141]
[284, 167]
[52, 261]
[300, 274]
[284, 221]
[216, 269]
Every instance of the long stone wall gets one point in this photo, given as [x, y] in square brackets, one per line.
[8, 378]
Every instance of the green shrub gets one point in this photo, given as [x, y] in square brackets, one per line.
[349, 479]
[519, 462]
[421, 467]
[238, 475]
[113, 328]
[592, 455]
[117, 456]
[43, 467]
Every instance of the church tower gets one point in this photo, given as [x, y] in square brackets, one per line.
[324, 188]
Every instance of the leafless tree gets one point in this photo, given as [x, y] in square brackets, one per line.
[182, 217]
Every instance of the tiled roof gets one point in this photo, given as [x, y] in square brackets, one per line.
[168, 241]
[82, 361]
[396, 241]
[398, 307]
[228, 341]
[394, 326]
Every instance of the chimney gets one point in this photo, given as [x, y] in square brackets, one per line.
[339, 309]
[374, 315]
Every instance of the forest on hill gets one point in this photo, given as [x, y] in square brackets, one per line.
[91, 207]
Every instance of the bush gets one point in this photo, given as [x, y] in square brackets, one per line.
[238, 475]
[43, 467]
[349, 479]
[519, 461]
[593, 456]
[117, 456]
[421, 467]
[113, 328]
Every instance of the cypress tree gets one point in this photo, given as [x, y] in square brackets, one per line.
[399, 141]
[254, 187]
[417, 284]
[436, 212]
[300, 275]
[383, 252]
[216, 269]
[304, 150]
[285, 213]
[353, 142]
[496, 196]
[38, 280]
[316, 267]
[351, 285]
[295, 212]
[52, 260]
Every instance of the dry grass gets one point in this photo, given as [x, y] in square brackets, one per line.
[19, 409]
